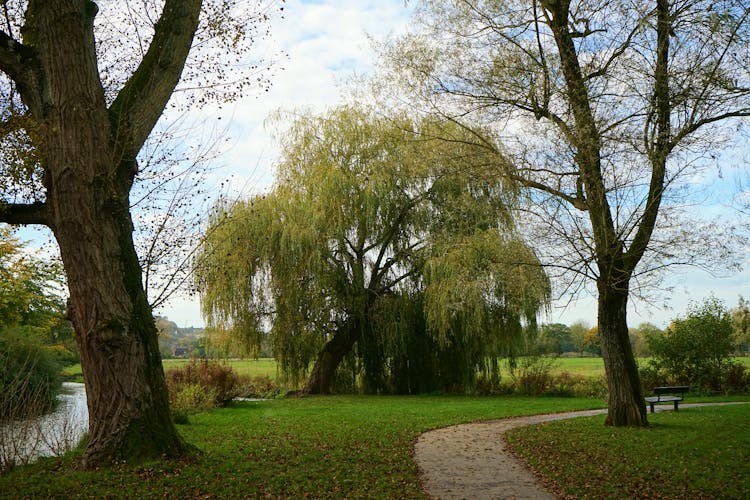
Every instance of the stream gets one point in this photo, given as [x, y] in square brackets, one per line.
[48, 435]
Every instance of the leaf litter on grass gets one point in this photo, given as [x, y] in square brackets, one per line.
[583, 458]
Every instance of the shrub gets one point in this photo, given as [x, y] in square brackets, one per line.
[592, 387]
[258, 387]
[696, 350]
[63, 355]
[651, 376]
[736, 378]
[195, 397]
[202, 385]
[533, 375]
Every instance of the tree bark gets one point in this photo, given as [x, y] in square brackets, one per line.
[88, 181]
[626, 406]
[128, 404]
[625, 402]
[330, 357]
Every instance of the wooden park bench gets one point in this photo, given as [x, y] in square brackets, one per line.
[667, 394]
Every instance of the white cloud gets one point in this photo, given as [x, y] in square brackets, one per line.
[327, 43]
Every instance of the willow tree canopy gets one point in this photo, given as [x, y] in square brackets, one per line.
[365, 211]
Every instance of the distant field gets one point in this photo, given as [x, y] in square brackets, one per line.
[252, 367]
[593, 367]
[588, 367]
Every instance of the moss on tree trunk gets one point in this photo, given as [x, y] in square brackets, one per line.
[625, 402]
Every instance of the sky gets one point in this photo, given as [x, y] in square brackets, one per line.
[326, 43]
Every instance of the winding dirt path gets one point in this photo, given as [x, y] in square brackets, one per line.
[471, 460]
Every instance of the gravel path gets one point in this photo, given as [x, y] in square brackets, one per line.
[471, 461]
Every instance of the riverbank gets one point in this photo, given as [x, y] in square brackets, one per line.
[53, 434]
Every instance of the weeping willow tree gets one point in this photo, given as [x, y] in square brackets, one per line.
[377, 241]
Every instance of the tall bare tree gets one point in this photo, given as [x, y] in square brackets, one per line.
[603, 107]
[87, 134]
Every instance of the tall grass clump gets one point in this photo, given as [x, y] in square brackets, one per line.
[29, 378]
[29, 384]
[206, 384]
[201, 385]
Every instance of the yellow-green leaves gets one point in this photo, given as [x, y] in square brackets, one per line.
[365, 209]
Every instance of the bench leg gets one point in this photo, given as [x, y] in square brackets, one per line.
[652, 407]
[675, 405]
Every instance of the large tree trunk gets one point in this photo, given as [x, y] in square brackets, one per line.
[626, 406]
[127, 397]
[330, 357]
[87, 185]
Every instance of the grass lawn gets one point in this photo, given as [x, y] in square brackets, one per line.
[253, 367]
[338, 446]
[361, 446]
[588, 367]
[695, 453]
[594, 367]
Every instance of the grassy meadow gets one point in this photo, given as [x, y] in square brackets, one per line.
[361, 447]
[263, 367]
[584, 366]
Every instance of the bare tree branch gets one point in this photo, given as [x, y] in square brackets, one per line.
[24, 213]
[141, 101]
[20, 63]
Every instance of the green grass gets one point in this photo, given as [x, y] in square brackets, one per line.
[339, 446]
[73, 373]
[594, 367]
[695, 453]
[361, 446]
[252, 367]
[588, 367]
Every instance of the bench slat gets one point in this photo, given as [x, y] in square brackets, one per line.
[678, 389]
[657, 399]
[667, 394]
